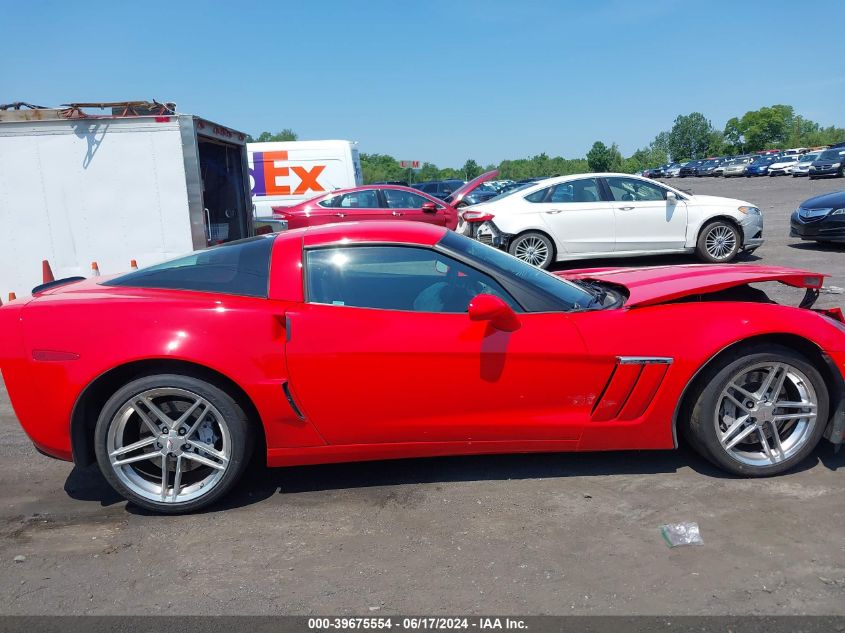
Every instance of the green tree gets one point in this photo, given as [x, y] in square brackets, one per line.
[428, 171]
[471, 169]
[767, 127]
[265, 137]
[733, 136]
[381, 167]
[604, 158]
[690, 136]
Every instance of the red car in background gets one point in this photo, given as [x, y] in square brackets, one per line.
[378, 340]
[379, 202]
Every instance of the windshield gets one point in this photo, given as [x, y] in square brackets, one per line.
[809, 158]
[571, 296]
[832, 154]
[762, 160]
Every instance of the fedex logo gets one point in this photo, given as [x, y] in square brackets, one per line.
[265, 173]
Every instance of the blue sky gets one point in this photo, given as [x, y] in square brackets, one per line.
[440, 81]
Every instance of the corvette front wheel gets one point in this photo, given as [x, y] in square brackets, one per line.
[761, 413]
[172, 443]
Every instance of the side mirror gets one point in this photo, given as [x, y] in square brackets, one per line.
[490, 308]
[429, 207]
[671, 198]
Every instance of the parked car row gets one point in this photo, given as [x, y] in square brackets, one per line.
[795, 162]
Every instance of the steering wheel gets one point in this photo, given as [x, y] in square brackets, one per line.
[451, 295]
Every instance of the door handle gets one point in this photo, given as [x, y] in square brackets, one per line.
[340, 215]
[398, 213]
[554, 211]
[625, 208]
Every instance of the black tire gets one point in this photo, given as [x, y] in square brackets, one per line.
[842, 172]
[709, 240]
[812, 177]
[238, 437]
[699, 425]
[520, 245]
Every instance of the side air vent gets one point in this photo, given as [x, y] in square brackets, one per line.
[632, 386]
[291, 401]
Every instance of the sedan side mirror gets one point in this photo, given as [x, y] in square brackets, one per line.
[490, 308]
[671, 198]
[429, 207]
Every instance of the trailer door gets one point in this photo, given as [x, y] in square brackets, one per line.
[226, 212]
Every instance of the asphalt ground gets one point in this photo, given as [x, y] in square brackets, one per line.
[520, 534]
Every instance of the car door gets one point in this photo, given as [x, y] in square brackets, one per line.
[408, 205]
[645, 220]
[581, 221]
[383, 351]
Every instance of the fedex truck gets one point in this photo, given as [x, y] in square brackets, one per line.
[137, 183]
[289, 172]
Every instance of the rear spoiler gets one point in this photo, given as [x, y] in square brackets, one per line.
[55, 284]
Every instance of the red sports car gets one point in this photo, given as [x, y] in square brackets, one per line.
[378, 340]
[379, 202]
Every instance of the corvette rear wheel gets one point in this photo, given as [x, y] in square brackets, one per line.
[761, 413]
[533, 248]
[172, 443]
[718, 242]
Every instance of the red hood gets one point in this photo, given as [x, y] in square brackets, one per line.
[658, 284]
[458, 194]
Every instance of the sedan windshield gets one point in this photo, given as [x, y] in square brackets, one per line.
[809, 158]
[571, 296]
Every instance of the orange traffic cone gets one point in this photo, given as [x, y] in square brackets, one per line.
[12, 296]
[46, 272]
[133, 265]
[95, 270]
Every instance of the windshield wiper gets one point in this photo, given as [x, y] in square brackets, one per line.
[597, 292]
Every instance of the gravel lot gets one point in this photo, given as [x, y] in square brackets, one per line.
[554, 534]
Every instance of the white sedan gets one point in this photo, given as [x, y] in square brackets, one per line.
[612, 215]
[784, 165]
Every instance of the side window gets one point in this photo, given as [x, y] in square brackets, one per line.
[632, 190]
[236, 268]
[331, 202]
[399, 199]
[395, 278]
[538, 196]
[366, 199]
[428, 187]
[586, 190]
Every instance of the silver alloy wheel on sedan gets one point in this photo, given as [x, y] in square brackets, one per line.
[720, 241]
[169, 445]
[532, 249]
[766, 413]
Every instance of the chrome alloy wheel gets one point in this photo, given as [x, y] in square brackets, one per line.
[169, 445]
[766, 414]
[532, 250]
[720, 241]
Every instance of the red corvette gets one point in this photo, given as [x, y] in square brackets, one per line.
[378, 340]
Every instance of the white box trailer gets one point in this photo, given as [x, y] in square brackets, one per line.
[75, 189]
[285, 173]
